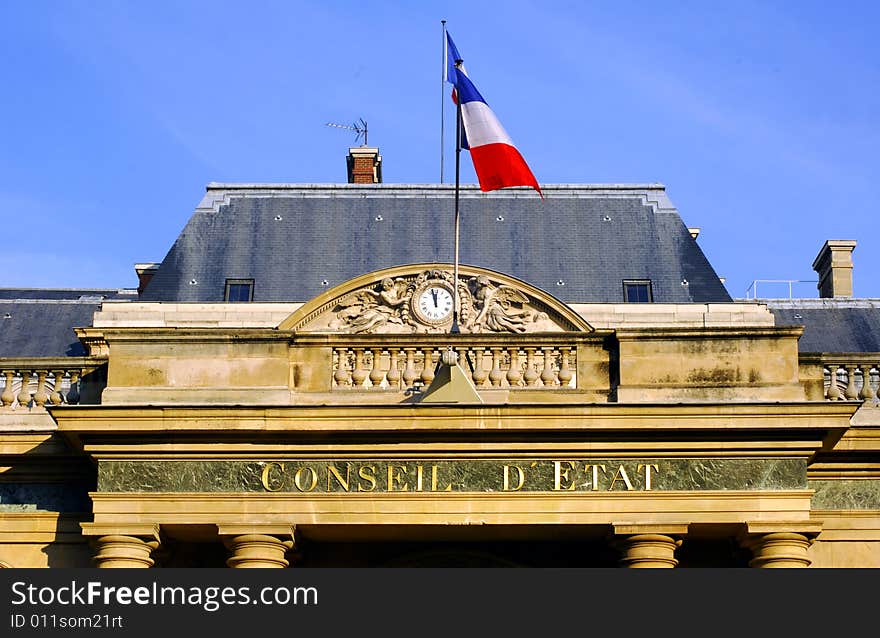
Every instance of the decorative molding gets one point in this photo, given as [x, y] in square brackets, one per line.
[382, 302]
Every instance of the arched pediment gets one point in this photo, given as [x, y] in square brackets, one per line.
[418, 299]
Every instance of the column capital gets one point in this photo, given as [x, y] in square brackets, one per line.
[147, 531]
[649, 550]
[120, 551]
[257, 551]
[667, 529]
[779, 549]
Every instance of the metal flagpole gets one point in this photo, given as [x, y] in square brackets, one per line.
[442, 99]
[455, 329]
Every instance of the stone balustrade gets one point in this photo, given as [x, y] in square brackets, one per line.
[490, 366]
[34, 383]
[855, 378]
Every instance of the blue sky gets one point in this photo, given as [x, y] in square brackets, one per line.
[761, 118]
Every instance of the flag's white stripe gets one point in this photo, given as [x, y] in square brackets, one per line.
[481, 126]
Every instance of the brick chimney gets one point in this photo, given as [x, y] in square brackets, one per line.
[145, 272]
[364, 165]
[834, 265]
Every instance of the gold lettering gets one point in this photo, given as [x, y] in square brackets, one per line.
[367, 476]
[559, 475]
[595, 474]
[521, 478]
[419, 470]
[265, 477]
[343, 483]
[620, 475]
[434, 470]
[648, 473]
[395, 476]
[297, 479]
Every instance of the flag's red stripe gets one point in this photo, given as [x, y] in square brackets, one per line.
[501, 166]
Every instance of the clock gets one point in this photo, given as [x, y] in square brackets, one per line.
[432, 303]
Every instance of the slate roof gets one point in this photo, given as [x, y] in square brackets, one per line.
[832, 325]
[43, 328]
[296, 241]
[67, 293]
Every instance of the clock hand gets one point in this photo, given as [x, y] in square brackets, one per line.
[434, 295]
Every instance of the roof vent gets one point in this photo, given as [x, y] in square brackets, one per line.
[695, 232]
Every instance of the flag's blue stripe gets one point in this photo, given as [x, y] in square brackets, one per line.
[467, 92]
[452, 56]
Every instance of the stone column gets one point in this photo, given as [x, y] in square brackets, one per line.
[257, 550]
[779, 549]
[648, 550]
[124, 551]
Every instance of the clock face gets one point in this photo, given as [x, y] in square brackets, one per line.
[434, 304]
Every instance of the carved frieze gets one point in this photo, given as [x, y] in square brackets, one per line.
[424, 303]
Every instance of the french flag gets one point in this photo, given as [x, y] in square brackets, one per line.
[497, 162]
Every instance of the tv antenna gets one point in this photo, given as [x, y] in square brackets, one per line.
[359, 127]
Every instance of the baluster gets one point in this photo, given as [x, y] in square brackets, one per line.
[833, 393]
[867, 392]
[565, 373]
[342, 376]
[514, 373]
[409, 371]
[359, 374]
[8, 396]
[41, 396]
[377, 374]
[73, 391]
[56, 398]
[851, 393]
[531, 375]
[393, 375]
[428, 366]
[480, 374]
[24, 395]
[548, 375]
[496, 374]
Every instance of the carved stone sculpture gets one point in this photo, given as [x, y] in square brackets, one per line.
[392, 306]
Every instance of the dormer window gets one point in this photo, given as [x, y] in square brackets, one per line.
[637, 291]
[239, 290]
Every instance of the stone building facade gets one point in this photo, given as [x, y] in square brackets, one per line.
[286, 388]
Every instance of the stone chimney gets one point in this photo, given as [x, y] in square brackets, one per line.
[364, 165]
[834, 265]
[145, 272]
